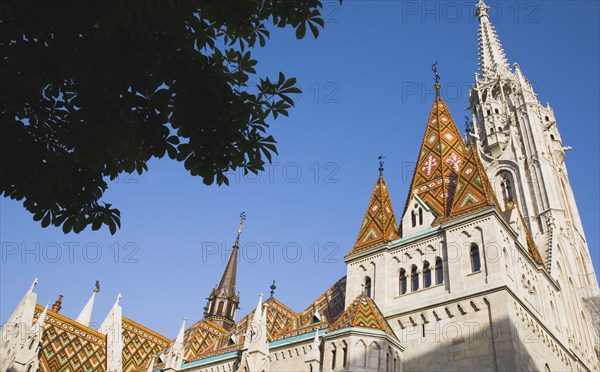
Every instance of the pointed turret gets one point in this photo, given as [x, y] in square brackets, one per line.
[379, 224]
[223, 300]
[85, 317]
[112, 327]
[439, 162]
[174, 356]
[491, 53]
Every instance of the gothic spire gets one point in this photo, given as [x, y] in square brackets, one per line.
[491, 53]
[227, 282]
[223, 300]
[379, 224]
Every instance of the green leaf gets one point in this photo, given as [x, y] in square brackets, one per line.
[301, 30]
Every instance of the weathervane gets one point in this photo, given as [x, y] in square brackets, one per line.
[435, 72]
[381, 157]
[437, 79]
[273, 287]
[97, 287]
[242, 219]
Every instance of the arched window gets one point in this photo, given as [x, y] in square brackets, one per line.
[403, 282]
[413, 217]
[426, 275]
[414, 279]
[439, 271]
[506, 185]
[367, 286]
[344, 354]
[420, 216]
[220, 308]
[475, 261]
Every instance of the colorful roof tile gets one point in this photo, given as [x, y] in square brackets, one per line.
[440, 161]
[362, 313]
[201, 337]
[379, 224]
[330, 305]
[473, 189]
[140, 344]
[70, 346]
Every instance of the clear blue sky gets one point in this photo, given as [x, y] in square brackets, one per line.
[365, 67]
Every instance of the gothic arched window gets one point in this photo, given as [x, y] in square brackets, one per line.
[439, 271]
[426, 275]
[475, 261]
[403, 282]
[414, 279]
[367, 285]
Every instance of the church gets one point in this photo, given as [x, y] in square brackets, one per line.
[487, 268]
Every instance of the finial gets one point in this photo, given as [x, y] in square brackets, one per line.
[437, 79]
[273, 287]
[97, 286]
[381, 157]
[242, 219]
[58, 304]
[119, 297]
[33, 284]
[481, 9]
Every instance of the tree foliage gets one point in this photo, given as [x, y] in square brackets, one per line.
[92, 90]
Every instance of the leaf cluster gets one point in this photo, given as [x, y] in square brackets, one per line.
[91, 90]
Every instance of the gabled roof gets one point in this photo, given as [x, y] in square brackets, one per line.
[330, 305]
[140, 344]
[473, 189]
[439, 162]
[362, 313]
[379, 224]
[70, 346]
[201, 336]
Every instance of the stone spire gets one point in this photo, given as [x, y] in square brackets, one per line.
[175, 353]
[112, 327]
[491, 53]
[223, 300]
[85, 317]
[379, 223]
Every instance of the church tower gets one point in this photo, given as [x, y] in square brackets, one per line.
[223, 300]
[523, 152]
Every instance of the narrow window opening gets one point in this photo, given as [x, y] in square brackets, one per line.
[496, 111]
[368, 286]
[414, 277]
[420, 216]
[413, 217]
[439, 271]
[333, 359]
[403, 282]
[475, 261]
[426, 275]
